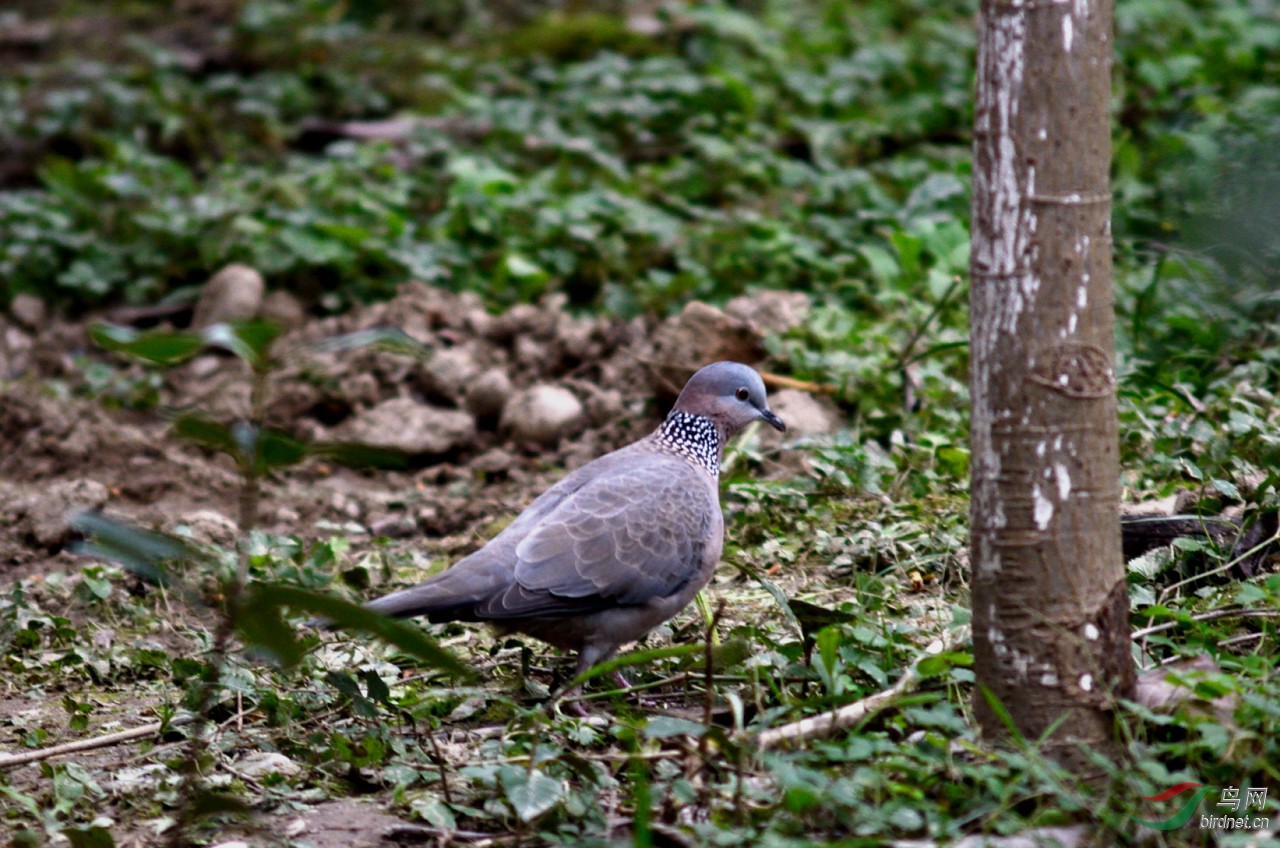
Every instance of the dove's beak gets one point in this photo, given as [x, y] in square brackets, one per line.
[772, 420]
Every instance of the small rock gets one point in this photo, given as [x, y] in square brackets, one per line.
[28, 310]
[203, 366]
[210, 527]
[450, 371]
[232, 294]
[698, 336]
[523, 320]
[577, 337]
[404, 424]
[345, 505]
[288, 515]
[805, 414]
[479, 322]
[263, 763]
[47, 512]
[283, 309]
[15, 352]
[604, 405]
[393, 527]
[488, 393]
[531, 354]
[359, 389]
[542, 415]
[493, 462]
[771, 311]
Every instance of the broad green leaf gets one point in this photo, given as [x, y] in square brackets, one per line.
[1226, 488]
[274, 448]
[224, 336]
[206, 433]
[531, 793]
[261, 624]
[936, 664]
[356, 455]
[277, 450]
[144, 552]
[723, 657]
[160, 347]
[813, 618]
[955, 460]
[828, 642]
[89, 837]
[434, 812]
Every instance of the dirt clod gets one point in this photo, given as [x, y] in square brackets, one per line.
[450, 371]
[804, 414]
[698, 336]
[542, 415]
[28, 310]
[577, 386]
[771, 311]
[283, 309]
[232, 294]
[488, 393]
[404, 424]
[209, 527]
[45, 513]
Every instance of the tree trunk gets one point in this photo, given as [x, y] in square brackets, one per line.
[1050, 610]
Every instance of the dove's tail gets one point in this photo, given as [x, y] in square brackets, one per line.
[451, 596]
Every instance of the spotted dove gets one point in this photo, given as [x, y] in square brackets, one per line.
[616, 547]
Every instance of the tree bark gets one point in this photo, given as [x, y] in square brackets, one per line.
[1050, 609]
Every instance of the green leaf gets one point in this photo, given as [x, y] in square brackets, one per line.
[531, 793]
[813, 618]
[936, 664]
[261, 624]
[955, 460]
[434, 812]
[89, 837]
[160, 347]
[340, 613]
[277, 450]
[206, 433]
[723, 657]
[143, 552]
[224, 336]
[344, 683]
[376, 688]
[356, 455]
[1226, 488]
[828, 642]
[274, 448]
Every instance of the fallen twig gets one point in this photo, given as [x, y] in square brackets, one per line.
[829, 722]
[779, 381]
[1208, 616]
[10, 760]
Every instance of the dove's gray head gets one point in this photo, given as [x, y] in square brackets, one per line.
[731, 394]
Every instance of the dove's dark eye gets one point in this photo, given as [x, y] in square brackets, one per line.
[742, 394]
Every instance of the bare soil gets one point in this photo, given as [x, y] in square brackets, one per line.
[69, 439]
